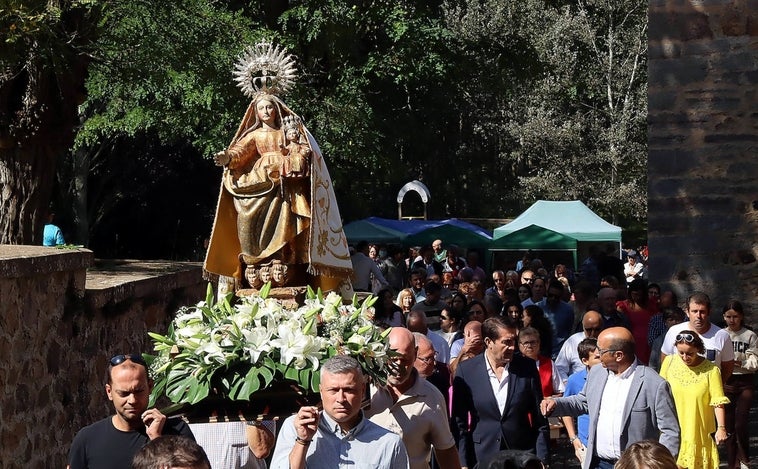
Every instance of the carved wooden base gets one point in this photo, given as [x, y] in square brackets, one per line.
[289, 296]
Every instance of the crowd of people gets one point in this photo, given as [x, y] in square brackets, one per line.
[485, 364]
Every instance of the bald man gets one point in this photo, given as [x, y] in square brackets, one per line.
[413, 408]
[611, 392]
[416, 321]
[469, 346]
[568, 361]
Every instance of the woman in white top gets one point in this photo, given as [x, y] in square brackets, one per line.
[739, 387]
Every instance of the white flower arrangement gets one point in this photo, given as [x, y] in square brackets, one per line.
[233, 350]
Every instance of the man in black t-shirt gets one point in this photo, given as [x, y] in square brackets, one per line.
[112, 442]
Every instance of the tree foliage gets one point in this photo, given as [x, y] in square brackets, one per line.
[493, 104]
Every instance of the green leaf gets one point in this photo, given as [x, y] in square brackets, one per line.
[209, 297]
[292, 373]
[251, 383]
[267, 374]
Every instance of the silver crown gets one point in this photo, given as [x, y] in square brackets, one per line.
[265, 68]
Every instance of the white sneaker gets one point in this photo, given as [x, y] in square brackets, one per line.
[744, 466]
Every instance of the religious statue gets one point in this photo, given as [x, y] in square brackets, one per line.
[277, 217]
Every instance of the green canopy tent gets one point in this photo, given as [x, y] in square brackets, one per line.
[365, 230]
[554, 226]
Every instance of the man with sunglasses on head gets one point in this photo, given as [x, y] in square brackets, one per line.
[112, 442]
[718, 343]
[627, 402]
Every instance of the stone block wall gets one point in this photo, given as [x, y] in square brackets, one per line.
[62, 316]
[703, 148]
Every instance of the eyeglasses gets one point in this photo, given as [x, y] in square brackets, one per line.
[689, 338]
[593, 329]
[527, 279]
[135, 357]
[428, 360]
[606, 350]
[529, 343]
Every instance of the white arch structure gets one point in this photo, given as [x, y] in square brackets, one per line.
[415, 186]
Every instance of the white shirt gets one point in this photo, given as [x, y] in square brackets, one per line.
[568, 360]
[609, 419]
[634, 269]
[440, 346]
[226, 445]
[718, 344]
[499, 386]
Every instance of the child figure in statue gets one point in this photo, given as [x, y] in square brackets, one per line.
[296, 153]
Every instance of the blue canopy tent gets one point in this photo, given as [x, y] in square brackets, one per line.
[420, 232]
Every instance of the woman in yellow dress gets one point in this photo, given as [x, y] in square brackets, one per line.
[698, 395]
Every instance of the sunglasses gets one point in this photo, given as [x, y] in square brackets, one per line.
[593, 329]
[689, 338]
[428, 360]
[135, 357]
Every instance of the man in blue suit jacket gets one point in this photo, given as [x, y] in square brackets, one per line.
[496, 397]
[627, 402]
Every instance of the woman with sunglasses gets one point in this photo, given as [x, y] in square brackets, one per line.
[739, 387]
[698, 395]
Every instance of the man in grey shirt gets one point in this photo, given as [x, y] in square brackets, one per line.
[339, 435]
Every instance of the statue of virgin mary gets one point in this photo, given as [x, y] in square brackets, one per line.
[277, 211]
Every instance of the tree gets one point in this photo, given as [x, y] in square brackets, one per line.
[561, 86]
[43, 65]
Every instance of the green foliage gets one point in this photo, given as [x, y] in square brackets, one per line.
[233, 350]
[165, 68]
[489, 101]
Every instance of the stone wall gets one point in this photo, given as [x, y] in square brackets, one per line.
[703, 148]
[62, 316]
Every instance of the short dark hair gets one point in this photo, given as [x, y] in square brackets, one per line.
[171, 451]
[132, 361]
[555, 285]
[491, 326]
[699, 298]
[586, 347]
[432, 287]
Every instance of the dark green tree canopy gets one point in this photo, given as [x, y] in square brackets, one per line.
[494, 104]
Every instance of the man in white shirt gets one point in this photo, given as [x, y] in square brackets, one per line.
[611, 392]
[718, 344]
[568, 360]
[632, 268]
